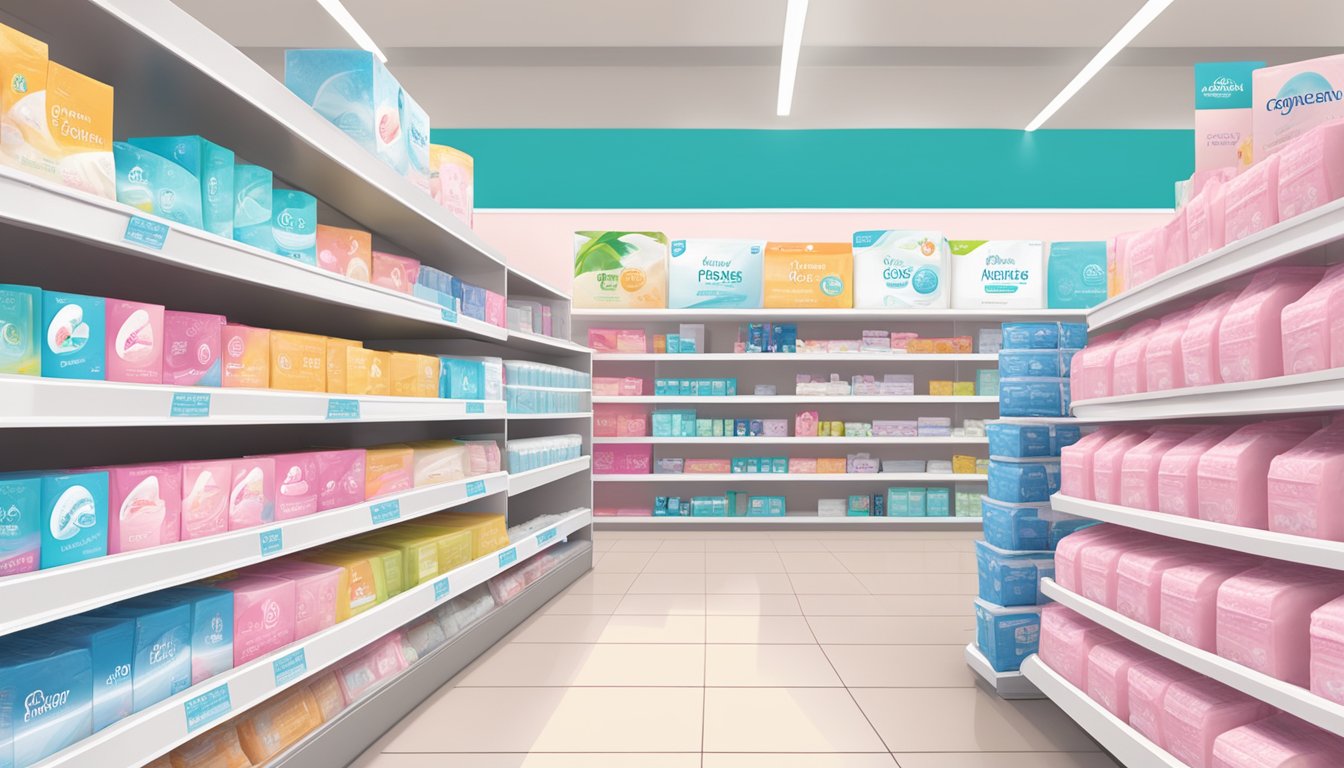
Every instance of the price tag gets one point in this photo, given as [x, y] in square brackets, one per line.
[208, 707]
[289, 667]
[449, 315]
[545, 536]
[150, 234]
[339, 408]
[190, 405]
[441, 589]
[508, 557]
[475, 407]
[475, 488]
[272, 541]
[385, 511]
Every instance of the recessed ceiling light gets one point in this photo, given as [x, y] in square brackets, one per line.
[794, 19]
[1150, 10]
[351, 27]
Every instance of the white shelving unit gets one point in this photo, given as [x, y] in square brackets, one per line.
[767, 477]
[522, 482]
[800, 441]
[1009, 685]
[795, 400]
[799, 519]
[1299, 393]
[796, 357]
[822, 315]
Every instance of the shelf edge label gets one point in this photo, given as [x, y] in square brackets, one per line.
[385, 511]
[475, 488]
[340, 408]
[146, 232]
[272, 541]
[508, 557]
[190, 405]
[475, 407]
[290, 667]
[546, 536]
[441, 589]
[208, 707]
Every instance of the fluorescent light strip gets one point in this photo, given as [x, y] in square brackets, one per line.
[351, 27]
[794, 19]
[1150, 10]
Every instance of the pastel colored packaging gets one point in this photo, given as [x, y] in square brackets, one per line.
[157, 185]
[145, 506]
[211, 628]
[1223, 114]
[253, 202]
[211, 165]
[294, 225]
[452, 184]
[192, 349]
[296, 485]
[216, 748]
[316, 586]
[23, 86]
[48, 690]
[205, 497]
[1250, 201]
[354, 90]
[1311, 170]
[1264, 618]
[263, 614]
[252, 500]
[162, 665]
[347, 252]
[1012, 578]
[338, 364]
[808, 276]
[1304, 483]
[65, 130]
[275, 725]
[396, 272]
[134, 342]
[20, 520]
[415, 130]
[715, 273]
[75, 336]
[1007, 636]
[298, 361]
[20, 324]
[367, 372]
[247, 356]
[1250, 338]
[111, 646]
[340, 478]
[363, 583]
[1291, 99]
[1075, 276]
[74, 517]
[620, 269]
[1006, 274]
[388, 470]
[901, 268]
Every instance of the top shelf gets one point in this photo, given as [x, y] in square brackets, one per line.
[174, 76]
[1210, 273]
[835, 315]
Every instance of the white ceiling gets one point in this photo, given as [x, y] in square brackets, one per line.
[715, 63]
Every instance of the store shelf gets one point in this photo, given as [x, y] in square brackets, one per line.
[1290, 698]
[30, 401]
[762, 440]
[1009, 685]
[798, 357]
[1125, 744]
[835, 315]
[792, 519]
[523, 284]
[547, 344]
[522, 482]
[141, 737]
[1210, 273]
[26, 600]
[1300, 393]
[550, 416]
[1280, 546]
[814, 400]
[795, 477]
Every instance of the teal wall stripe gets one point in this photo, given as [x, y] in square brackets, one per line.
[899, 168]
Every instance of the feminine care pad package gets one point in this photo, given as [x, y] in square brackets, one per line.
[808, 276]
[1223, 113]
[157, 185]
[353, 90]
[715, 273]
[901, 268]
[253, 202]
[620, 269]
[20, 321]
[998, 274]
[210, 165]
[1075, 276]
[61, 131]
[1289, 100]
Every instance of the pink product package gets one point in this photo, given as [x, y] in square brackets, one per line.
[618, 386]
[1188, 609]
[205, 497]
[1163, 368]
[1106, 465]
[495, 309]
[799, 465]
[1204, 226]
[1313, 326]
[1281, 110]
[377, 662]
[315, 587]
[1278, 741]
[1171, 238]
[1093, 367]
[1252, 200]
[252, 495]
[1068, 554]
[1195, 712]
[191, 349]
[144, 506]
[1140, 464]
[1250, 339]
[1143, 255]
[1311, 170]
[1108, 667]
[1129, 370]
[483, 457]
[1264, 617]
[613, 420]
[1305, 485]
[623, 459]
[1098, 564]
[602, 339]
[707, 466]
[396, 272]
[263, 614]
[1148, 684]
[296, 485]
[134, 342]
[1076, 463]
[1233, 476]
[1199, 343]
[1067, 640]
[1138, 588]
[1327, 651]
[1178, 471]
[340, 478]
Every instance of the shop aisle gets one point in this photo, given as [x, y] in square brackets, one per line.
[728, 650]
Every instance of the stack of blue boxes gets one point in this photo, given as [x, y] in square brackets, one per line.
[1034, 367]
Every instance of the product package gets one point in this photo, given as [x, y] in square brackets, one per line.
[452, 185]
[20, 324]
[620, 269]
[157, 185]
[210, 165]
[294, 225]
[346, 252]
[253, 202]
[1291, 99]
[134, 342]
[808, 276]
[353, 89]
[998, 274]
[1223, 114]
[1076, 275]
[715, 273]
[901, 268]
[192, 349]
[67, 135]
[75, 336]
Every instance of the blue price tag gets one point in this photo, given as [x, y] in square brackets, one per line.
[441, 589]
[190, 405]
[289, 667]
[342, 408]
[545, 536]
[272, 541]
[208, 707]
[475, 488]
[449, 315]
[385, 511]
[150, 234]
[475, 407]
[508, 557]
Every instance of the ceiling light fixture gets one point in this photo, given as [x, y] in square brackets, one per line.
[794, 19]
[351, 27]
[1150, 10]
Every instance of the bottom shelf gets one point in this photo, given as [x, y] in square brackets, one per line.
[343, 738]
[1127, 745]
[620, 522]
[1009, 685]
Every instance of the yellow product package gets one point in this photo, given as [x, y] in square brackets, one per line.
[489, 532]
[75, 145]
[809, 276]
[620, 269]
[337, 364]
[363, 585]
[419, 552]
[23, 95]
[276, 724]
[367, 372]
[216, 748]
[298, 361]
[456, 545]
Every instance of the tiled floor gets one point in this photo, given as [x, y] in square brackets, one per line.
[743, 650]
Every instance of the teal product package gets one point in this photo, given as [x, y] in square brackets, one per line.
[157, 185]
[294, 225]
[212, 166]
[253, 202]
[1075, 275]
[74, 517]
[74, 329]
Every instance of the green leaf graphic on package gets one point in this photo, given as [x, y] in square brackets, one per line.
[605, 250]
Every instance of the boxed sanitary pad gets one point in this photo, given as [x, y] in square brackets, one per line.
[808, 276]
[901, 268]
[1289, 100]
[253, 201]
[715, 273]
[620, 269]
[157, 185]
[1223, 114]
[1075, 275]
[352, 89]
[210, 165]
[998, 274]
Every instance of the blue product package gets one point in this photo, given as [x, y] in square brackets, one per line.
[162, 666]
[917, 505]
[1062, 436]
[154, 184]
[473, 301]
[20, 522]
[1075, 275]
[938, 502]
[415, 134]
[898, 502]
[1010, 525]
[211, 627]
[47, 695]
[212, 165]
[74, 517]
[352, 89]
[294, 225]
[74, 336]
[1007, 636]
[1030, 362]
[1030, 336]
[1023, 480]
[461, 379]
[1033, 396]
[1011, 578]
[253, 202]
[1019, 440]
[111, 646]
[1066, 361]
[1072, 335]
